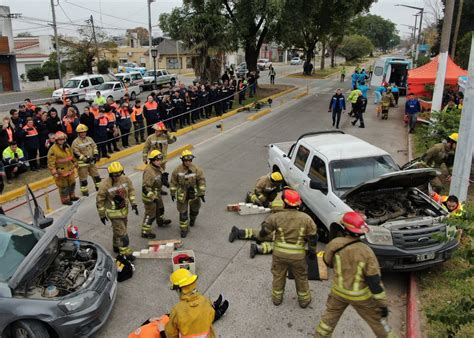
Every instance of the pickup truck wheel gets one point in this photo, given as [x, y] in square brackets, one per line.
[75, 99]
[133, 96]
[30, 329]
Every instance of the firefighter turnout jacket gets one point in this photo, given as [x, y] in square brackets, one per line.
[159, 143]
[187, 183]
[265, 191]
[61, 160]
[85, 150]
[113, 197]
[152, 183]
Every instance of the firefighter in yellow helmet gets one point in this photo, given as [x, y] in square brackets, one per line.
[114, 195]
[187, 187]
[61, 164]
[293, 229]
[266, 189]
[357, 280]
[86, 152]
[153, 179]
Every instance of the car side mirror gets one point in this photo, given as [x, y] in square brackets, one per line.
[46, 222]
[316, 185]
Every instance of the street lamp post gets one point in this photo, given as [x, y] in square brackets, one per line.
[154, 54]
[421, 9]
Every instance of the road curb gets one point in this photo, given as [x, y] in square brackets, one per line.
[45, 182]
[300, 95]
[258, 115]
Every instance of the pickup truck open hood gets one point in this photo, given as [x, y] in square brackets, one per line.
[397, 179]
[34, 261]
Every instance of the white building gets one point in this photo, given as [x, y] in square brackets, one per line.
[32, 52]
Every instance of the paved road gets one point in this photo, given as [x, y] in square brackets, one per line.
[232, 161]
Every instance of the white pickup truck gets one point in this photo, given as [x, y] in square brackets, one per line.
[115, 89]
[162, 78]
[336, 172]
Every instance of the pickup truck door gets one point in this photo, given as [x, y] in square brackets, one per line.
[296, 168]
[118, 91]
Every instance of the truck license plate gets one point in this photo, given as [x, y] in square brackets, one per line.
[425, 257]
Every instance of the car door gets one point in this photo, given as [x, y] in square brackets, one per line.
[83, 87]
[118, 91]
[296, 169]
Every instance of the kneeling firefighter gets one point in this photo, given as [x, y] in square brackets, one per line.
[115, 192]
[266, 189]
[357, 280]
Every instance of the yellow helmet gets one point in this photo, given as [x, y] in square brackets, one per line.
[187, 155]
[81, 128]
[155, 154]
[454, 137]
[181, 278]
[115, 169]
[276, 177]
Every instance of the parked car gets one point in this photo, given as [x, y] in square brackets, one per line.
[77, 87]
[115, 89]
[296, 61]
[336, 172]
[241, 69]
[131, 79]
[263, 64]
[52, 286]
[128, 67]
[162, 78]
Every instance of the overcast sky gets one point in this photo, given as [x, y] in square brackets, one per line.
[117, 15]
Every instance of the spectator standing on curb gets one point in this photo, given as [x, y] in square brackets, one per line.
[54, 122]
[43, 133]
[70, 122]
[124, 122]
[68, 104]
[337, 105]
[272, 73]
[49, 108]
[412, 108]
[7, 134]
[99, 99]
[101, 128]
[31, 143]
[18, 126]
[138, 122]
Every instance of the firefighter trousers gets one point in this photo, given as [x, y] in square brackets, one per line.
[120, 236]
[193, 206]
[83, 172]
[153, 211]
[368, 309]
[299, 268]
[66, 186]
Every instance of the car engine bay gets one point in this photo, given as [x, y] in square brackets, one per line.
[380, 207]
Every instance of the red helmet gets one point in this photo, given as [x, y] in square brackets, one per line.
[354, 223]
[159, 126]
[60, 135]
[291, 198]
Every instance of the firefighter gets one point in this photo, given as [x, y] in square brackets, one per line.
[449, 203]
[386, 102]
[115, 192]
[159, 141]
[265, 190]
[357, 280]
[86, 152]
[153, 179]
[264, 245]
[292, 229]
[61, 164]
[188, 187]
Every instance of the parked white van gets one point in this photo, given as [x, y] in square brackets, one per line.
[77, 87]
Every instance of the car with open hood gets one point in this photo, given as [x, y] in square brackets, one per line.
[52, 286]
[336, 173]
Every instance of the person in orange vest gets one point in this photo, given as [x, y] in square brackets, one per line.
[31, 143]
[151, 114]
[138, 122]
[124, 123]
[102, 124]
[30, 107]
[112, 132]
[449, 203]
[61, 164]
[70, 123]
[94, 109]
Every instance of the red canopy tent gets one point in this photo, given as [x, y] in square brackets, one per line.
[426, 74]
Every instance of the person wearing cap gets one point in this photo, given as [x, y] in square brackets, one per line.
[115, 194]
[159, 140]
[292, 230]
[357, 280]
[86, 152]
[61, 164]
[187, 187]
[153, 180]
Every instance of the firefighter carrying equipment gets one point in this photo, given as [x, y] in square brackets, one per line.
[454, 137]
[115, 169]
[276, 177]
[354, 223]
[155, 155]
[291, 198]
[81, 128]
[181, 278]
[187, 155]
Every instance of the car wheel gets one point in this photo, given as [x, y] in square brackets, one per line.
[133, 96]
[29, 329]
[75, 99]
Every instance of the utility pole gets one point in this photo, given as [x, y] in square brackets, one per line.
[443, 56]
[419, 35]
[56, 39]
[456, 29]
[95, 38]
[463, 157]
[150, 38]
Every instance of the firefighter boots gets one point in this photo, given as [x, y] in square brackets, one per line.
[236, 233]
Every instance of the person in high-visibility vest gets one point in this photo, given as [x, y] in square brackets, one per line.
[449, 203]
[357, 280]
[114, 195]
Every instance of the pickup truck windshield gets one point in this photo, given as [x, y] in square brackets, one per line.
[346, 174]
[16, 243]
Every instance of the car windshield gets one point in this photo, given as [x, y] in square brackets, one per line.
[347, 174]
[72, 84]
[106, 86]
[16, 242]
[150, 73]
[120, 77]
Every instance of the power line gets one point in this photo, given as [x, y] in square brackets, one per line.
[64, 12]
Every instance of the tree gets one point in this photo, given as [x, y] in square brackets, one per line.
[355, 46]
[381, 32]
[463, 50]
[103, 66]
[50, 67]
[24, 35]
[36, 74]
[253, 23]
[203, 30]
